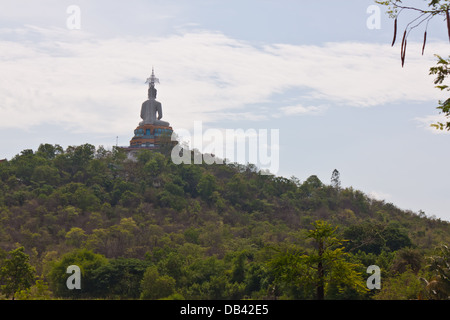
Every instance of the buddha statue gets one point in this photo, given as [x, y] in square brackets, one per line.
[151, 107]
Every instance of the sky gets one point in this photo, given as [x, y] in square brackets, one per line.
[322, 74]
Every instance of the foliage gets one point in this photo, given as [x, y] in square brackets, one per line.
[435, 8]
[150, 229]
[403, 286]
[88, 262]
[442, 70]
[438, 287]
[39, 291]
[156, 286]
[16, 274]
[326, 267]
[335, 179]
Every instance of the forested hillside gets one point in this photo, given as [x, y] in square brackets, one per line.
[150, 229]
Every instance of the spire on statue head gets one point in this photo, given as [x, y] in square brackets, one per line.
[151, 85]
[152, 80]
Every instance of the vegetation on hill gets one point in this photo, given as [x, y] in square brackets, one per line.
[150, 229]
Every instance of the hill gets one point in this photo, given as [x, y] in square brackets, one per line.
[152, 229]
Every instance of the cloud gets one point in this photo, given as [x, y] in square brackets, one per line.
[301, 110]
[91, 84]
[427, 121]
[377, 195]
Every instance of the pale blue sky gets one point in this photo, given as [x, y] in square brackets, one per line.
[333, 87]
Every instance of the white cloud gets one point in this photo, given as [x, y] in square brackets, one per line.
[88, 84]
[301, 110]
[377, 195]
[427, 121]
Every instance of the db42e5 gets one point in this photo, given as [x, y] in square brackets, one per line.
[259, 309]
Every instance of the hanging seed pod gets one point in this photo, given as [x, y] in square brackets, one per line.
[403, 48]
[424, 41]
[448, 23]
[395, 32]
[404, 54]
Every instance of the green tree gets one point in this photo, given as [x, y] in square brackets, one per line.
[407, 258]
[237, 190]
[438, 286]
[130, 199]
[75, 237]
[191, 176]
[49, 151]
[119, 278]
[396, 237]
[403, 286]
[154, 162]
[45, 174]
[88, 262]
[85, 199]
[206, 186]
[172, 196]
[23, 165]
[39, 291]
[155, 286]
[326, 265]
[172, 265]
[239, 268]
[374, 237]
[16, 273]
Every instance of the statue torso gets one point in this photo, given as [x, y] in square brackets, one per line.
[148, 111]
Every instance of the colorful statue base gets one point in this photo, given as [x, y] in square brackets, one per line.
[150, 136]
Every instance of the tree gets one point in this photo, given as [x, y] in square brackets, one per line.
[79, 156]
[374, 237]
[335, 180]
[16, 273]
[88, 262]
[156, 286]
[206, 186]
[407, 258]
[49, 151]
[438, 286]
[395, 237]
[119, 278]
[45, 174]
[403, 286]
[154, 162]
[191, 176]
[39, 291]
[239, 268]
[75, 237]
[322, 268]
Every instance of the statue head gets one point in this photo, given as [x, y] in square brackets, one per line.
[152, 92]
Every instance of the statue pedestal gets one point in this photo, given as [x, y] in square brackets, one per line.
[149, 136]
[151, 132]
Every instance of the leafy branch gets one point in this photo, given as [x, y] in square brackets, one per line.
[442, 70]
[436, 7]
